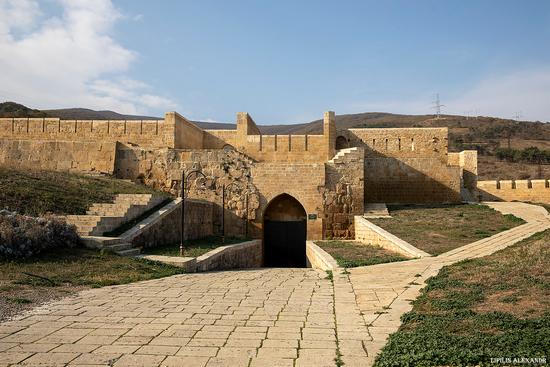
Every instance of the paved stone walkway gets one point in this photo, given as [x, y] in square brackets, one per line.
[264, 317]
[383, 292]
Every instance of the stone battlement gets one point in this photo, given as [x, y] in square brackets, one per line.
[399, 142]
[515, 190]
[155, 133]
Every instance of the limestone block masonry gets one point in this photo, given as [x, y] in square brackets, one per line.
[243, 255]
[238, 256]
[331, 174]
[160, 228]
[317, 258]
[535, 191]
[370, 233]
[105, 217]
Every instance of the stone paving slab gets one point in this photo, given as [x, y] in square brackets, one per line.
[265, 317]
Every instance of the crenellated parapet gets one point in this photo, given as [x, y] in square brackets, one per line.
[536, 191]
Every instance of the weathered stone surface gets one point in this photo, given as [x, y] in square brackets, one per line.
[410, 165]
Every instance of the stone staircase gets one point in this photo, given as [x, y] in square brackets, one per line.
[376, 210]
[341, 154]
[103, 218]
[124, 244]
[115, 244]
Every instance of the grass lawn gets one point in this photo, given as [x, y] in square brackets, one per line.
[475, 310]
[193, 248]
[440, 228]
[59, 272]
[34, 192]
[350, 254]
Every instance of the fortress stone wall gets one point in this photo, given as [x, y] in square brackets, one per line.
[174, 131]
[331, 174]
[535, 191]
[406, 165]
[59, 155]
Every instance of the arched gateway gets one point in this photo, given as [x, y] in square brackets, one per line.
[285, 233]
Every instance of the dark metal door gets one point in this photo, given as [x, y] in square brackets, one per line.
[285, 244]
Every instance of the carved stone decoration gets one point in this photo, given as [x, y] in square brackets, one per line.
[162, 169]
[253, 205]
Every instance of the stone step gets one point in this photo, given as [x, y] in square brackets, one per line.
[129, 252]
[341, 154]
[118, 247]
[376, 210]
[100, 242]
[117, 212]
[104, 217]
[82, 217]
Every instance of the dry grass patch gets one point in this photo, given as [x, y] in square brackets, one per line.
[490, 168]
[24, 284]
[350, 254]
[440, 228]
[476, 309]
[36, 192]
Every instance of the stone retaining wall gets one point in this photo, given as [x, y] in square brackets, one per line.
[164, 228]
[317, 258]
[371, 234]
[238, 256]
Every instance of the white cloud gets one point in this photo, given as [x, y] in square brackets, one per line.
[17, 15]
[69, 60]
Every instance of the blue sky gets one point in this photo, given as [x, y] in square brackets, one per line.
[282, 61]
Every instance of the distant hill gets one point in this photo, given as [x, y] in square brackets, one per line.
[463, 131]
[87, 114]
[12, 109]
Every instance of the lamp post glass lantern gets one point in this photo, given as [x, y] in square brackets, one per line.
[184, 179]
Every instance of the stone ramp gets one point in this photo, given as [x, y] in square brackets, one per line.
[527, 212]
[105, 217]
[383, 292]
[376, 210]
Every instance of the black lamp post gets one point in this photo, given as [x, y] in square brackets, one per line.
[184, 179]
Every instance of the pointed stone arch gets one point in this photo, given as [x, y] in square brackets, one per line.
[285, 232]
